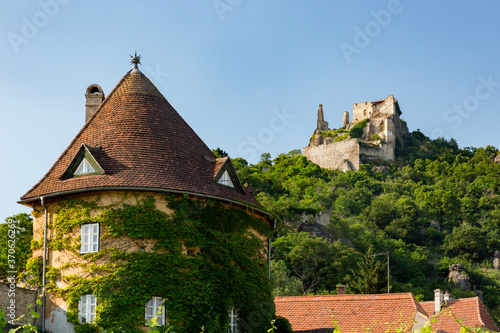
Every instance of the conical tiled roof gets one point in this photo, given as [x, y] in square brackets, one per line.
[140, 142]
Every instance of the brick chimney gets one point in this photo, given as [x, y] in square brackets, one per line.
[438, 300]
[340, 289]
[93, 98]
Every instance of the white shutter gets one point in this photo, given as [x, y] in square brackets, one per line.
[150, 311]
[82, 309]
[233, 320]
[85, 238]
[161, 315]
[94, 237]
[91, 303]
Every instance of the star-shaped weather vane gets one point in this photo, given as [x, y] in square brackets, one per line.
[136, 60]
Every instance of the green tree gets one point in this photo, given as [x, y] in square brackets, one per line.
[467, 242]
[318, 263]
[285, 283]
[219, 152]
[15, 243]
[370, 277]
[382, 210]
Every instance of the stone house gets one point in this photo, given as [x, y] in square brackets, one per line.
[138, 218]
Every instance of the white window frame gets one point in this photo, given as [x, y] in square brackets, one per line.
[85, 166]
[153, 305]
[86, 308]
[233, 320]
[89, 237]
[225, 179]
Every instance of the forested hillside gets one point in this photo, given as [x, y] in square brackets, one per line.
[437, 205]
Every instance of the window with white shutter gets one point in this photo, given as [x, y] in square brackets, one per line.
[153, 310]
[89, 238]
[86, 309]
[233, 320]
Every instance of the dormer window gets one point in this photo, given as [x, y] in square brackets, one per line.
[83, 164]
[226, 175]
[226, 180]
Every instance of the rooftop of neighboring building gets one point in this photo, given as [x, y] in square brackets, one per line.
[351, 313]
[470, 311]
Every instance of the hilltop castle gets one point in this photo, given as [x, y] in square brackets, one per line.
[374, 134]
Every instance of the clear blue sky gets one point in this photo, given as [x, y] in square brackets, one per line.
[247, 75]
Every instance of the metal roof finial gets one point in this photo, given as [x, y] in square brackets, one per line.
[136, 60]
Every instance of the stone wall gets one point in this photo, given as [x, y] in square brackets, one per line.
[56, 307]
[341, 155]
[15, 300]
[378, 141]
[382, 108]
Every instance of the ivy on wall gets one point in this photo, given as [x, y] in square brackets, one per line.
[228, 270]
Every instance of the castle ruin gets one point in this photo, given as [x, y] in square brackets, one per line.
[375, 133]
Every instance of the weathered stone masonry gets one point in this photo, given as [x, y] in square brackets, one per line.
[383, 132]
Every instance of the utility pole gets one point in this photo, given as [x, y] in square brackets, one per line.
[388, 266]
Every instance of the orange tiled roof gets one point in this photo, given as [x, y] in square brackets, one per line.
[141, 142]
[470, 310]
[353, 313]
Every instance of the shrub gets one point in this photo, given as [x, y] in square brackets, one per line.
[357, 130]
[282, 325]
[86, 328]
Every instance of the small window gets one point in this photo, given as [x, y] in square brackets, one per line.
[226, 180]
[89, 238]
[154, 308]
[86, 309]
[233, 321]
[84, 164]
[84, 168]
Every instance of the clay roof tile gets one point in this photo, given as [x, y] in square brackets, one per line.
[470, 311]
[141, 142]
[352, 313]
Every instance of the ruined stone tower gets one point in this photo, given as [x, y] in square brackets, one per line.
[374, 133]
